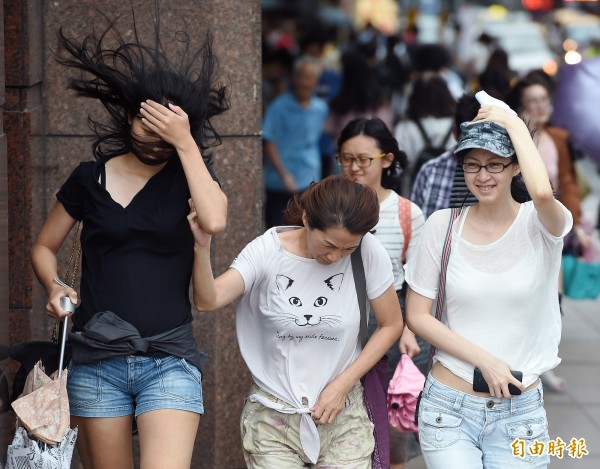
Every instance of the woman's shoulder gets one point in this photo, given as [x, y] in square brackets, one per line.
[558, 133]
[406, 125]
[440, 217]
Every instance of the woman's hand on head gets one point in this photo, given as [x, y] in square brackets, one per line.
[500, 116]
[170, 124]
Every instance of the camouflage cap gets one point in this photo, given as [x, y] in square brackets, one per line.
[487, 136]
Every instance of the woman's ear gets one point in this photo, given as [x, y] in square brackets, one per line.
[388, 160]
[304, 222]
[516, 169]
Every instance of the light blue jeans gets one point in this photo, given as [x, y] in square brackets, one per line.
[457, 430]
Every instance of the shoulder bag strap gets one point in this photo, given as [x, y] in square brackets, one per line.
[442, 283]
[405, 218]
[360, 283]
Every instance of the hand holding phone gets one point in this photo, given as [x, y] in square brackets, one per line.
[480, 385]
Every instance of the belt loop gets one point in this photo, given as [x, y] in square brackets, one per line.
[460, 396]
[428, 384]
[541, 391]
[513, 404]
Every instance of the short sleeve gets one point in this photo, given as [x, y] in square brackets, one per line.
[72, 192]
[248, 262]
[378, 267]
[271, 122]
[549, 236]
[416, 227]
[422, 270]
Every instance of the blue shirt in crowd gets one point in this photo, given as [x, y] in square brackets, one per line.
[295, 131]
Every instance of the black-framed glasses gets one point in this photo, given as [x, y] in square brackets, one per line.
[361, 161]
[494, 167]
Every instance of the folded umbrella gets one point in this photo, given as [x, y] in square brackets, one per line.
[43, 438]
[403, 392]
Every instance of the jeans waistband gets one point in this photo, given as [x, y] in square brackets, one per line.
[457, 399]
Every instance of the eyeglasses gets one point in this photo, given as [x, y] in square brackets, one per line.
[541, 101]
[490, 167]
[361, 161]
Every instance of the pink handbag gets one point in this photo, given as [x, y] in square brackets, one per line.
[403, 392]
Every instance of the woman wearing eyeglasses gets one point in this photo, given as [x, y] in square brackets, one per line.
[369, 154]
[501, 307]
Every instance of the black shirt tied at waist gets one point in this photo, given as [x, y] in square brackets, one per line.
[106, 335]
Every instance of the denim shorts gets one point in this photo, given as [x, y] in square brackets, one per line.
[460, 430]
[133, 385]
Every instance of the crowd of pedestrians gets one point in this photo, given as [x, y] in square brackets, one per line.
[394, 113]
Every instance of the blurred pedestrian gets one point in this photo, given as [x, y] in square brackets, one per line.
[292, 128]
[532, 97]
[361, 95]
[440, 183]
[426, 126]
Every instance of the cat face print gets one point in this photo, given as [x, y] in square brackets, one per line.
[310, 305]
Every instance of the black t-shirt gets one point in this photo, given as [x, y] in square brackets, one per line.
[136, 260]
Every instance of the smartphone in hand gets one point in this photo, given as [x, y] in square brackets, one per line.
[480, 385]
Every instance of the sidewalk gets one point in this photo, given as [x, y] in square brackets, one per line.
[574, 413]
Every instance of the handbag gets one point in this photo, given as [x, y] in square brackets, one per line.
[439, 305]
[403, 392]
[375, 380]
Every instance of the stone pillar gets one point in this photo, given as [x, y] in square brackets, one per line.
[5, 433]
[48, 136]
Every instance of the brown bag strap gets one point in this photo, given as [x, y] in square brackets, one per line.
[72, 269]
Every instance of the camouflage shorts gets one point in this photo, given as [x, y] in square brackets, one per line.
[272, 439]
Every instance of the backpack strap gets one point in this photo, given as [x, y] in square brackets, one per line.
[423, 133]
[405, 218]
[447, 137]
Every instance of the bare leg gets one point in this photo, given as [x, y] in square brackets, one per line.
[104, 442]
[167, 438]
[397, 466]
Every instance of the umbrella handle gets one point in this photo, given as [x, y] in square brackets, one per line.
[63, 340]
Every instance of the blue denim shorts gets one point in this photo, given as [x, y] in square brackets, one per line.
[460, 430]
[133, 385]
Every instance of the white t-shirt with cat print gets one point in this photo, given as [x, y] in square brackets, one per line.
[298, 321]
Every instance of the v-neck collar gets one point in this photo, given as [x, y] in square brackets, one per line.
[100, 178]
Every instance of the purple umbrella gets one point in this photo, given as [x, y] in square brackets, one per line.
[577, 104]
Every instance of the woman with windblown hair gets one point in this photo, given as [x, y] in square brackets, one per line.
[134, 352]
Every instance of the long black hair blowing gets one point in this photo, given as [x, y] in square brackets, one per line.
[123, 75]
